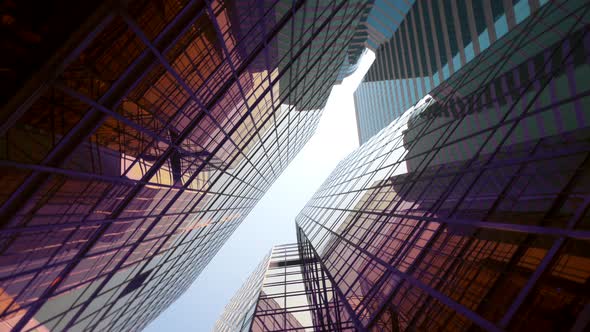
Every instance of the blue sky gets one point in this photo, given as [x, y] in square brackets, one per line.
[272, 221]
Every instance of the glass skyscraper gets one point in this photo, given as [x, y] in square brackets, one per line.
[430, 43]
[471, 210]
[288, 291]
[135, 138]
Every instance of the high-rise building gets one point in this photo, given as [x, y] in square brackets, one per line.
[137, 135]
[471, 211]
[430, 43]
[285, 292]
[239, 312]
[377, 25]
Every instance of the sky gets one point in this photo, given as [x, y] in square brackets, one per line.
[272, 221]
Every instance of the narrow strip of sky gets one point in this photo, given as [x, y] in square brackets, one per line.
[273, 220]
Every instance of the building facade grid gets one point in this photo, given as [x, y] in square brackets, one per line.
[158, 130]
[470, 211]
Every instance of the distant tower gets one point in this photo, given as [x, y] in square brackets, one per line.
[423, 46]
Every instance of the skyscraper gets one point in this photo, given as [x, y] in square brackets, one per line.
[239, 312]
[139, 136]
[430, 43]
[471, 210]
[280, 296]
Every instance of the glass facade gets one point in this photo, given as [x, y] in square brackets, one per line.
[288, 291]
[378, 22]
[151, 131]
[377, 25]
[434, 40]
[470, 212]
[238, 314]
